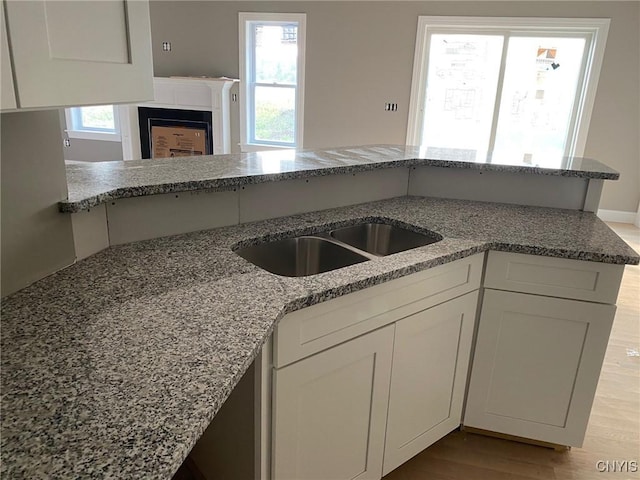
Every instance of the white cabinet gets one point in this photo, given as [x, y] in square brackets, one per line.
[364, 382]
[372, 377]
[430, 364]
[554, 277]
[330, 411]
[8, 94]
[68, 53]
[537, 359]
[316, 328]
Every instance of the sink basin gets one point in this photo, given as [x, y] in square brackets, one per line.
[381, 239]
[300, 256]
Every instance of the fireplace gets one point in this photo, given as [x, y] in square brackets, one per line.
[171, 132]
[189, 116]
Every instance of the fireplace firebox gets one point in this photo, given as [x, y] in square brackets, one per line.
[167, 132]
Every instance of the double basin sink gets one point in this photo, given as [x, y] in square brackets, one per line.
[311, 254]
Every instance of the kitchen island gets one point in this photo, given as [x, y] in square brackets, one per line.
[115, 366]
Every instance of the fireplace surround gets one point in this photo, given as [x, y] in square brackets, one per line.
[186, 107]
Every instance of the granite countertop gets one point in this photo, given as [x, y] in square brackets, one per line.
[93, 183]
[115, 366]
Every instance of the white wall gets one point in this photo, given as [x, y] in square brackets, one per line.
[89, 150]
[37, 239]
[360, 55]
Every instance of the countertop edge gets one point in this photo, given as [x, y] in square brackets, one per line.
[565, 253]
[227, 183]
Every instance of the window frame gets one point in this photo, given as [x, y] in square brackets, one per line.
[246, 19]
[595, 30]
[72, 131]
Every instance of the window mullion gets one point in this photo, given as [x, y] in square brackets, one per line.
[251, 124]
[572, 129]
[498, 99]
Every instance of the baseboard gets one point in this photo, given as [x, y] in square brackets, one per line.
[618, 216]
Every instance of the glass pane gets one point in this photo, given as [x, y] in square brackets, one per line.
[275, 114]
[276, 53]
[461, 89]
[97, 118]
[538, 96]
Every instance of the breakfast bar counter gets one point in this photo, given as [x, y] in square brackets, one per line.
[94, 183]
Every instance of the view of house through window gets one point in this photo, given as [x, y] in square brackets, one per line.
[93, 123]
[98, 118]
[518, 92]
[272, 62]
[541, 87]
[274, 86]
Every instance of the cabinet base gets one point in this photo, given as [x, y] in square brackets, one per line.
[513, 438]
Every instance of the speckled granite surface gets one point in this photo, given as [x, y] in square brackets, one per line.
[113, 367]
[93, 183]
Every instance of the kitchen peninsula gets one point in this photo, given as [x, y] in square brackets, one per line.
[116, 365]
[94, 183]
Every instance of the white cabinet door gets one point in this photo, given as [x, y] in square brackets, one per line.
[80, 53]
[430, 364]
[8, 94]
[536, 366]
[330, 410]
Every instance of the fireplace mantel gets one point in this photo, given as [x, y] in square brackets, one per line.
[183, 93]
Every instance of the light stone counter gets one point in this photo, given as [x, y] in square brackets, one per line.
[114, 367]
[93, 183]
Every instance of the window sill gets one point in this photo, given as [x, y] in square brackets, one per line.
[85, 135]
[256, 147]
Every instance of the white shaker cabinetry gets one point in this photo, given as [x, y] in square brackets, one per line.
[364, 382]
[8, 93]
[537, 358]
[67, 53]
[330, 411]
[430, 365]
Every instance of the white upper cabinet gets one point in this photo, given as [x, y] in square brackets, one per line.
[8, 98]
[80, 53]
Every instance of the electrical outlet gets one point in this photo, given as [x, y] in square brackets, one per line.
[67, 142]
[391, 107]
[166, 46]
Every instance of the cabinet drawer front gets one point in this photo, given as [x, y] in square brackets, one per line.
[321, 326]
[556, 277]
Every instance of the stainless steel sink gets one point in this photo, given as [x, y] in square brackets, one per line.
[300, 256]
[310, 254]
[381, 239]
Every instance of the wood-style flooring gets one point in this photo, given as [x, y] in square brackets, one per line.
[614, 427]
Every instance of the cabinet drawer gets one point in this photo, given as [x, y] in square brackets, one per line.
[321, 326]
[555, 277]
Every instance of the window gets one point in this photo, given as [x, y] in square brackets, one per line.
[272, 71]
[520, 88]
[93, 123]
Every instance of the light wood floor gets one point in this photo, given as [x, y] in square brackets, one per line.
[614, 427]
